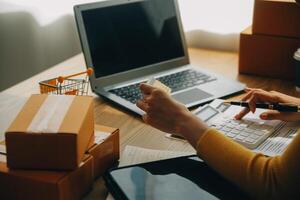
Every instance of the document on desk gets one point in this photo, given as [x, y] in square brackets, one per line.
[276, 143]
[135, 155]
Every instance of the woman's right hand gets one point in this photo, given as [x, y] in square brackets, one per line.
[254, 96]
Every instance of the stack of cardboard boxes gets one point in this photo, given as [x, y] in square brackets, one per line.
[267, 48]
[53, 150]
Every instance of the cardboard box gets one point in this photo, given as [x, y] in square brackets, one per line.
[50, 132]
[268, 56]
[277, 17]
[106, 149]
[45, 185]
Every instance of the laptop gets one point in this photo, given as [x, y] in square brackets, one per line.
[127, 42]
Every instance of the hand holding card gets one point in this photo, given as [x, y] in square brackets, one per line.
[155, 83]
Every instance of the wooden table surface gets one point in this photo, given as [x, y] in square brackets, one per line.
[132, 130]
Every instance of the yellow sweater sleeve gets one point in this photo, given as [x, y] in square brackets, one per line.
[260, 176]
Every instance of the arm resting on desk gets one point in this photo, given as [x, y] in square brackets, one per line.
[263, 177]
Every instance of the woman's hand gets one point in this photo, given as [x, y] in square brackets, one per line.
[162, 112]
[168, 115]
[254, 96]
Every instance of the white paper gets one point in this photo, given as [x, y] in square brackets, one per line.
[135, 155]
[101, 136]
[2, 149]
[276, 144]
[3, 158]
[109, 197]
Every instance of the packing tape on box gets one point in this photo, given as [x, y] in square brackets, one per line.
[51, 114]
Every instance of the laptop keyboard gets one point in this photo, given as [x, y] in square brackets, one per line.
[131, 93]
[185, 79]
[177, 81]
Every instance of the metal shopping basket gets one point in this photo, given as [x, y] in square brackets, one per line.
[67, 85]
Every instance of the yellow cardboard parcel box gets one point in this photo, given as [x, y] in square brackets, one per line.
[51, 132]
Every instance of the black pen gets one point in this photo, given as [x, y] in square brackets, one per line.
[281, 107]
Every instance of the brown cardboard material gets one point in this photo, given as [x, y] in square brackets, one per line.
[63, 150]
[269, 56]
[92, 141]
[277, 17]
[46, 185]
[106, 152]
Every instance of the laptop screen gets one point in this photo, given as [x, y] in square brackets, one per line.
[133, 35]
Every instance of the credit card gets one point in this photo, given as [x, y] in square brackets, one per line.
[157, 84]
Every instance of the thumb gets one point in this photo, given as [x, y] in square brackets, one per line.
[284, 116]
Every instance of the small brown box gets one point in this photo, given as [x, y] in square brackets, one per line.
[277, 17]
[50, 132]
[46, 185]
[106, 150]
[269, 56]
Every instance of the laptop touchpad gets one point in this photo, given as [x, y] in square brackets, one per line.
[191, 96]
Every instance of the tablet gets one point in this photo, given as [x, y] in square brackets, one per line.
[183, 178]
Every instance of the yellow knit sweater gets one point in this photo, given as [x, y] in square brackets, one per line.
[260, 176]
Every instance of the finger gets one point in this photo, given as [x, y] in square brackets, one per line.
[146, 97]
[241, 114]
[149, 100]
[263, 96]
[260, 96]
[247, 96]
[142, 105]
[252, 102]
[249, 89]
[252, 95]
[252, 89]
[284, 116]
[146, 88]
[146, 118]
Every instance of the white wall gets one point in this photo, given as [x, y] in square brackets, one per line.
[36, 34]
[215, 24]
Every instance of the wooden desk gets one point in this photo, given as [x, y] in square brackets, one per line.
[133, 131]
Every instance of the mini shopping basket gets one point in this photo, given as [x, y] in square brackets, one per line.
[67, 85]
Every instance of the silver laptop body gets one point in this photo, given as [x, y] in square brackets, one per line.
[129, 59]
